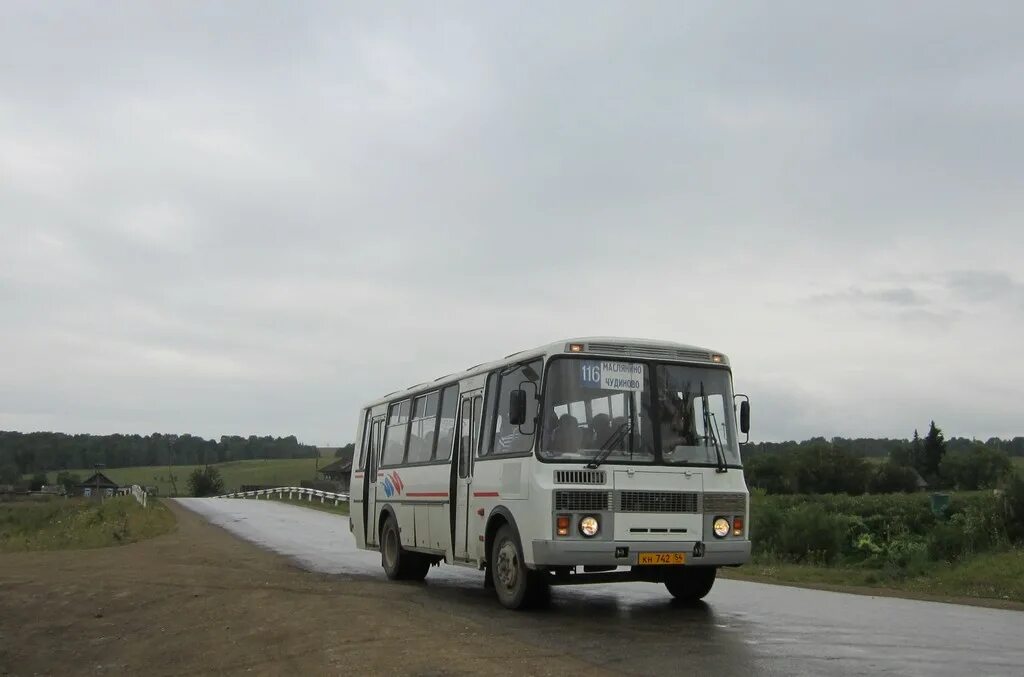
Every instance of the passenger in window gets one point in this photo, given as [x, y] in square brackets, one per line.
[602, 427]
[567, 434]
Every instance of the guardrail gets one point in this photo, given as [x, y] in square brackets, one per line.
[140, 494]
[324, 496]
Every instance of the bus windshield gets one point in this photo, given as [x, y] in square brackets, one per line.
[608, 409]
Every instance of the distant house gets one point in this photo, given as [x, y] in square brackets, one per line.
[96, 486]
[339, 470]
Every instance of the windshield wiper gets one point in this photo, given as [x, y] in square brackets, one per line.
[609, 445]
[708, 426]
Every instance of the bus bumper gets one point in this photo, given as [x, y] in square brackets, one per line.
[603, 553]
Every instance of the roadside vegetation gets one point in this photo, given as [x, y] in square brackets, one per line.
[822, 515]
[60, 524]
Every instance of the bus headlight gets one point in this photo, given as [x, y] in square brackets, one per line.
[721, 527]
[589, 526]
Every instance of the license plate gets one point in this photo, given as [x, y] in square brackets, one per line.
[661, 558]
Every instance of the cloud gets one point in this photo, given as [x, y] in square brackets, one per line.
[252, 220]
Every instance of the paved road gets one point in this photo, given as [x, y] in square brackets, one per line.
[743, 628]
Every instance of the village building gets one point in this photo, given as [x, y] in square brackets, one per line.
[338, 471]
[97, 485]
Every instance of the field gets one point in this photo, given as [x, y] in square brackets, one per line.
[286, 472]
[69, 524]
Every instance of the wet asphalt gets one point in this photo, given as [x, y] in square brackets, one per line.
[742, 628]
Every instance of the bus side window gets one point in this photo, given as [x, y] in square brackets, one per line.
[446, 423]
[516, 439]
[364, 450]
[394, 436]
[487, 438]
[466, 437]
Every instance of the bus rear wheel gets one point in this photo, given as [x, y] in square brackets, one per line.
[691, 584]
[517, 586]
[400, 564]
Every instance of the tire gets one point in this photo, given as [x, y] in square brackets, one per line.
[516, 586]
[399, 564]
[691, 584]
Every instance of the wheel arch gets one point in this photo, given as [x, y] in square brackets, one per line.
[385, 512]
[499, 516]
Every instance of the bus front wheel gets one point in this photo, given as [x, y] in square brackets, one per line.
[517, 586]
[400, 564]
[691, 584]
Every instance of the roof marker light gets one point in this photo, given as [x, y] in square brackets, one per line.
[575, 347]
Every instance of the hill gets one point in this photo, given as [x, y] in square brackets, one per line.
[287, 472]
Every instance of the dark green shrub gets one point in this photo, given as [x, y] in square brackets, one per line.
[891, 478]
[766, 528]
[1013, 509]
[811, 534]
[206, 481]
[948, 542]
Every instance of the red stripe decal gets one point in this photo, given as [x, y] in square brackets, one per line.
[485, 494]
[358, 474]
[442, 494]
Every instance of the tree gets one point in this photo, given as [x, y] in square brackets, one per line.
[933, 451]
[68, 480]
[9, 474]
[892, 477]
[206, 481]
[37, 482]
[982, 467]
[348, 449]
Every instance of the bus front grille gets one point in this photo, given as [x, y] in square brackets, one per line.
[659, 501]
[582, 500]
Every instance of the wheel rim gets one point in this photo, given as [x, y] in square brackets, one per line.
[506, 568]
[390, 546]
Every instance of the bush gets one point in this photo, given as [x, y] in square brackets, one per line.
[891, 478]
[949, 542]
[37, 482]
[766, 526]
[810, 534]
[1013, 509]
[206, 481]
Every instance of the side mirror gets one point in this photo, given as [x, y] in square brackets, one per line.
[745, 417]
[517, 407]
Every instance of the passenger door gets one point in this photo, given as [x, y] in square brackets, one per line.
[470, 410]
[370, 481]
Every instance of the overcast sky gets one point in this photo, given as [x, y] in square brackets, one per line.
[237, 218]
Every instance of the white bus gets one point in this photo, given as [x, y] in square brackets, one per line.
[584, 461]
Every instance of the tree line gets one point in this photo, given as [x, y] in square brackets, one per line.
[840, 466]
[25, 453]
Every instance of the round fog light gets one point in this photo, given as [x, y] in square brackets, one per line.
[721, 527]
[589, 526]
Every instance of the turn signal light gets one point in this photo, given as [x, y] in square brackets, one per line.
[562, 525]
[737, 526]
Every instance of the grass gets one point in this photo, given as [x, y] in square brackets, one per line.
[993, 575]
[281, 472]
[77, 523]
